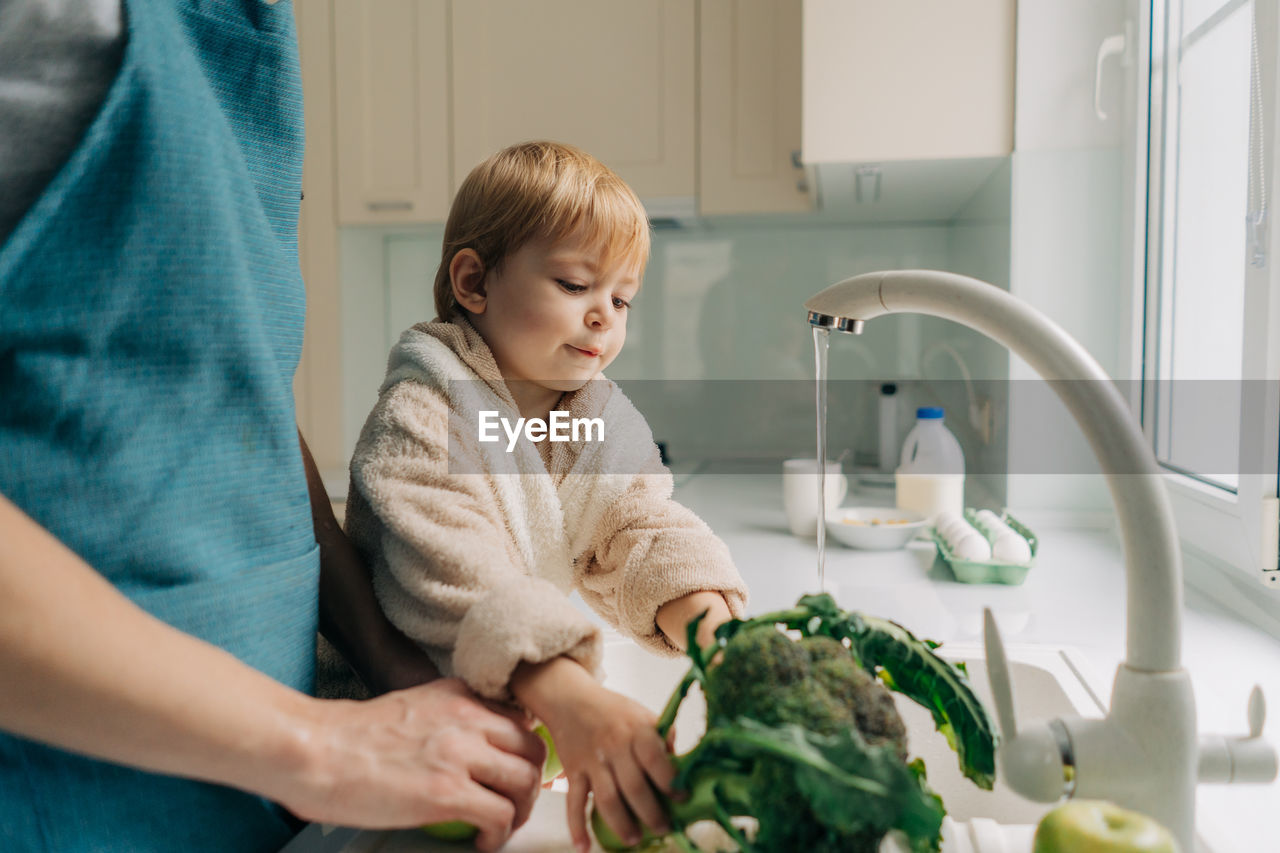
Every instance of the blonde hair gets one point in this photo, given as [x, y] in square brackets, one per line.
[540, 190]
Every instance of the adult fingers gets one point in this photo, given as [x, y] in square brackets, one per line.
[511, 738]
[505, 728]
[512, 777]
[639, 795]
[579, 787]
[608, 801]
[489, 812]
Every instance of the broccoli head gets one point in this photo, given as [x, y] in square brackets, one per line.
[803, 737]
[813, 682]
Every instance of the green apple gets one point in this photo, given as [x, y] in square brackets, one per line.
[451, 830]
[458, 830]
[551, 768]
[609, 840]
[1094, 826]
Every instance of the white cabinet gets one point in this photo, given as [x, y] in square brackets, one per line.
[709, 99]
[907, 79]
[391, 73]
[614, 77]
[749, 107]
[319, 374]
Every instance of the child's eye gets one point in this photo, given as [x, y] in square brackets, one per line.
[570, 287]
[620, 304]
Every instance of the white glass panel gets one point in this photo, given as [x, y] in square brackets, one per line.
[1206, 294]
[1196, 12]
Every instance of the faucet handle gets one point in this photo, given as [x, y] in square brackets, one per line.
[1032, 761]
[998, 676]
[1257, 711]
[1240, 759]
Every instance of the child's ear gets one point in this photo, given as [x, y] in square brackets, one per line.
[466, 274]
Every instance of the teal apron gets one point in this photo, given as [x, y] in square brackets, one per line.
[151, 317]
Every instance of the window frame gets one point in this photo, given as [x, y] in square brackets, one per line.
[1236, 530]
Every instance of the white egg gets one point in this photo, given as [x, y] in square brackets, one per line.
[989, 518]
[1011, 548]
[945, 519]
[971, 546]
[956, 528]
[993, 525]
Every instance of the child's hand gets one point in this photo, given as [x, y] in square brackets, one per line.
[611, 749]
[674, 617]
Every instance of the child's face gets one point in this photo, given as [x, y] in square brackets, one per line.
[552, 316]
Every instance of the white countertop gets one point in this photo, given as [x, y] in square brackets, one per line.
[1073, 597]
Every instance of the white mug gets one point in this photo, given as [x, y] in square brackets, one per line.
[800, 493]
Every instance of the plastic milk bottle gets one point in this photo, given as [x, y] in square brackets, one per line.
[930, 477]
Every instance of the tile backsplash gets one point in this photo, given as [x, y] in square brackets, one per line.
[717, 337]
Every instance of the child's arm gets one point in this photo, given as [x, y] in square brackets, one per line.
[608, 743]
[653, 565]
[674, 617]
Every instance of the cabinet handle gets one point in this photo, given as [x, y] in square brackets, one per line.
[796, 162]
[390, 205]
[1117, 45]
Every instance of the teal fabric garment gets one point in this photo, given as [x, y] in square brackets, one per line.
[151, 317]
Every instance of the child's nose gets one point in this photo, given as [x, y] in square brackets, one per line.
[599, 316]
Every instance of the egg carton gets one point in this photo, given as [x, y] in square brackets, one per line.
[988, 571]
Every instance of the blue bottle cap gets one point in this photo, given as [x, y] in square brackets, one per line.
[930, 413]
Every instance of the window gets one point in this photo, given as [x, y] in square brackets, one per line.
[1210, 335]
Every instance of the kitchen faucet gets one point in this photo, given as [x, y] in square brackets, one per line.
[1145, 753]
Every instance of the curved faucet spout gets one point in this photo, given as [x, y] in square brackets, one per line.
[1144, 753]
[1152, 557]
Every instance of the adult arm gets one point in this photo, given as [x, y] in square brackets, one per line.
[102, 677]
[350, 617]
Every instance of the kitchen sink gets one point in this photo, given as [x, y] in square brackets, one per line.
[1047, 682]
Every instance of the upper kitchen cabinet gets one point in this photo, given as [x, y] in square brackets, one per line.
[391, 87]
[749, 112]
[614, 77]
[907, 80]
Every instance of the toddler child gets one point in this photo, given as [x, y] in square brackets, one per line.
[476, 544]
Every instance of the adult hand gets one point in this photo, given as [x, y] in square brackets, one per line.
[427, 754]
[107, 679]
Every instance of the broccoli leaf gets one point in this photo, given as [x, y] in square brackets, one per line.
[933, 683]
[914, 810]
[922, 844]
[909, 666]
[850, 786]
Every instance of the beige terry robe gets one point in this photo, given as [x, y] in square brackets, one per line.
[474, 549]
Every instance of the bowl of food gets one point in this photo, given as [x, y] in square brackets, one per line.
[874, 528]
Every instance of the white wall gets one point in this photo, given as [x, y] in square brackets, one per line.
[721, 316]
[1069, 210]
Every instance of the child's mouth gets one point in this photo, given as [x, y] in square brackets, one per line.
[589, 353]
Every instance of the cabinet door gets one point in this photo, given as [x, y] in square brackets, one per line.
[907, 79]
[614, 77]
[749, 112]
[316, 382]
[391, 85]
